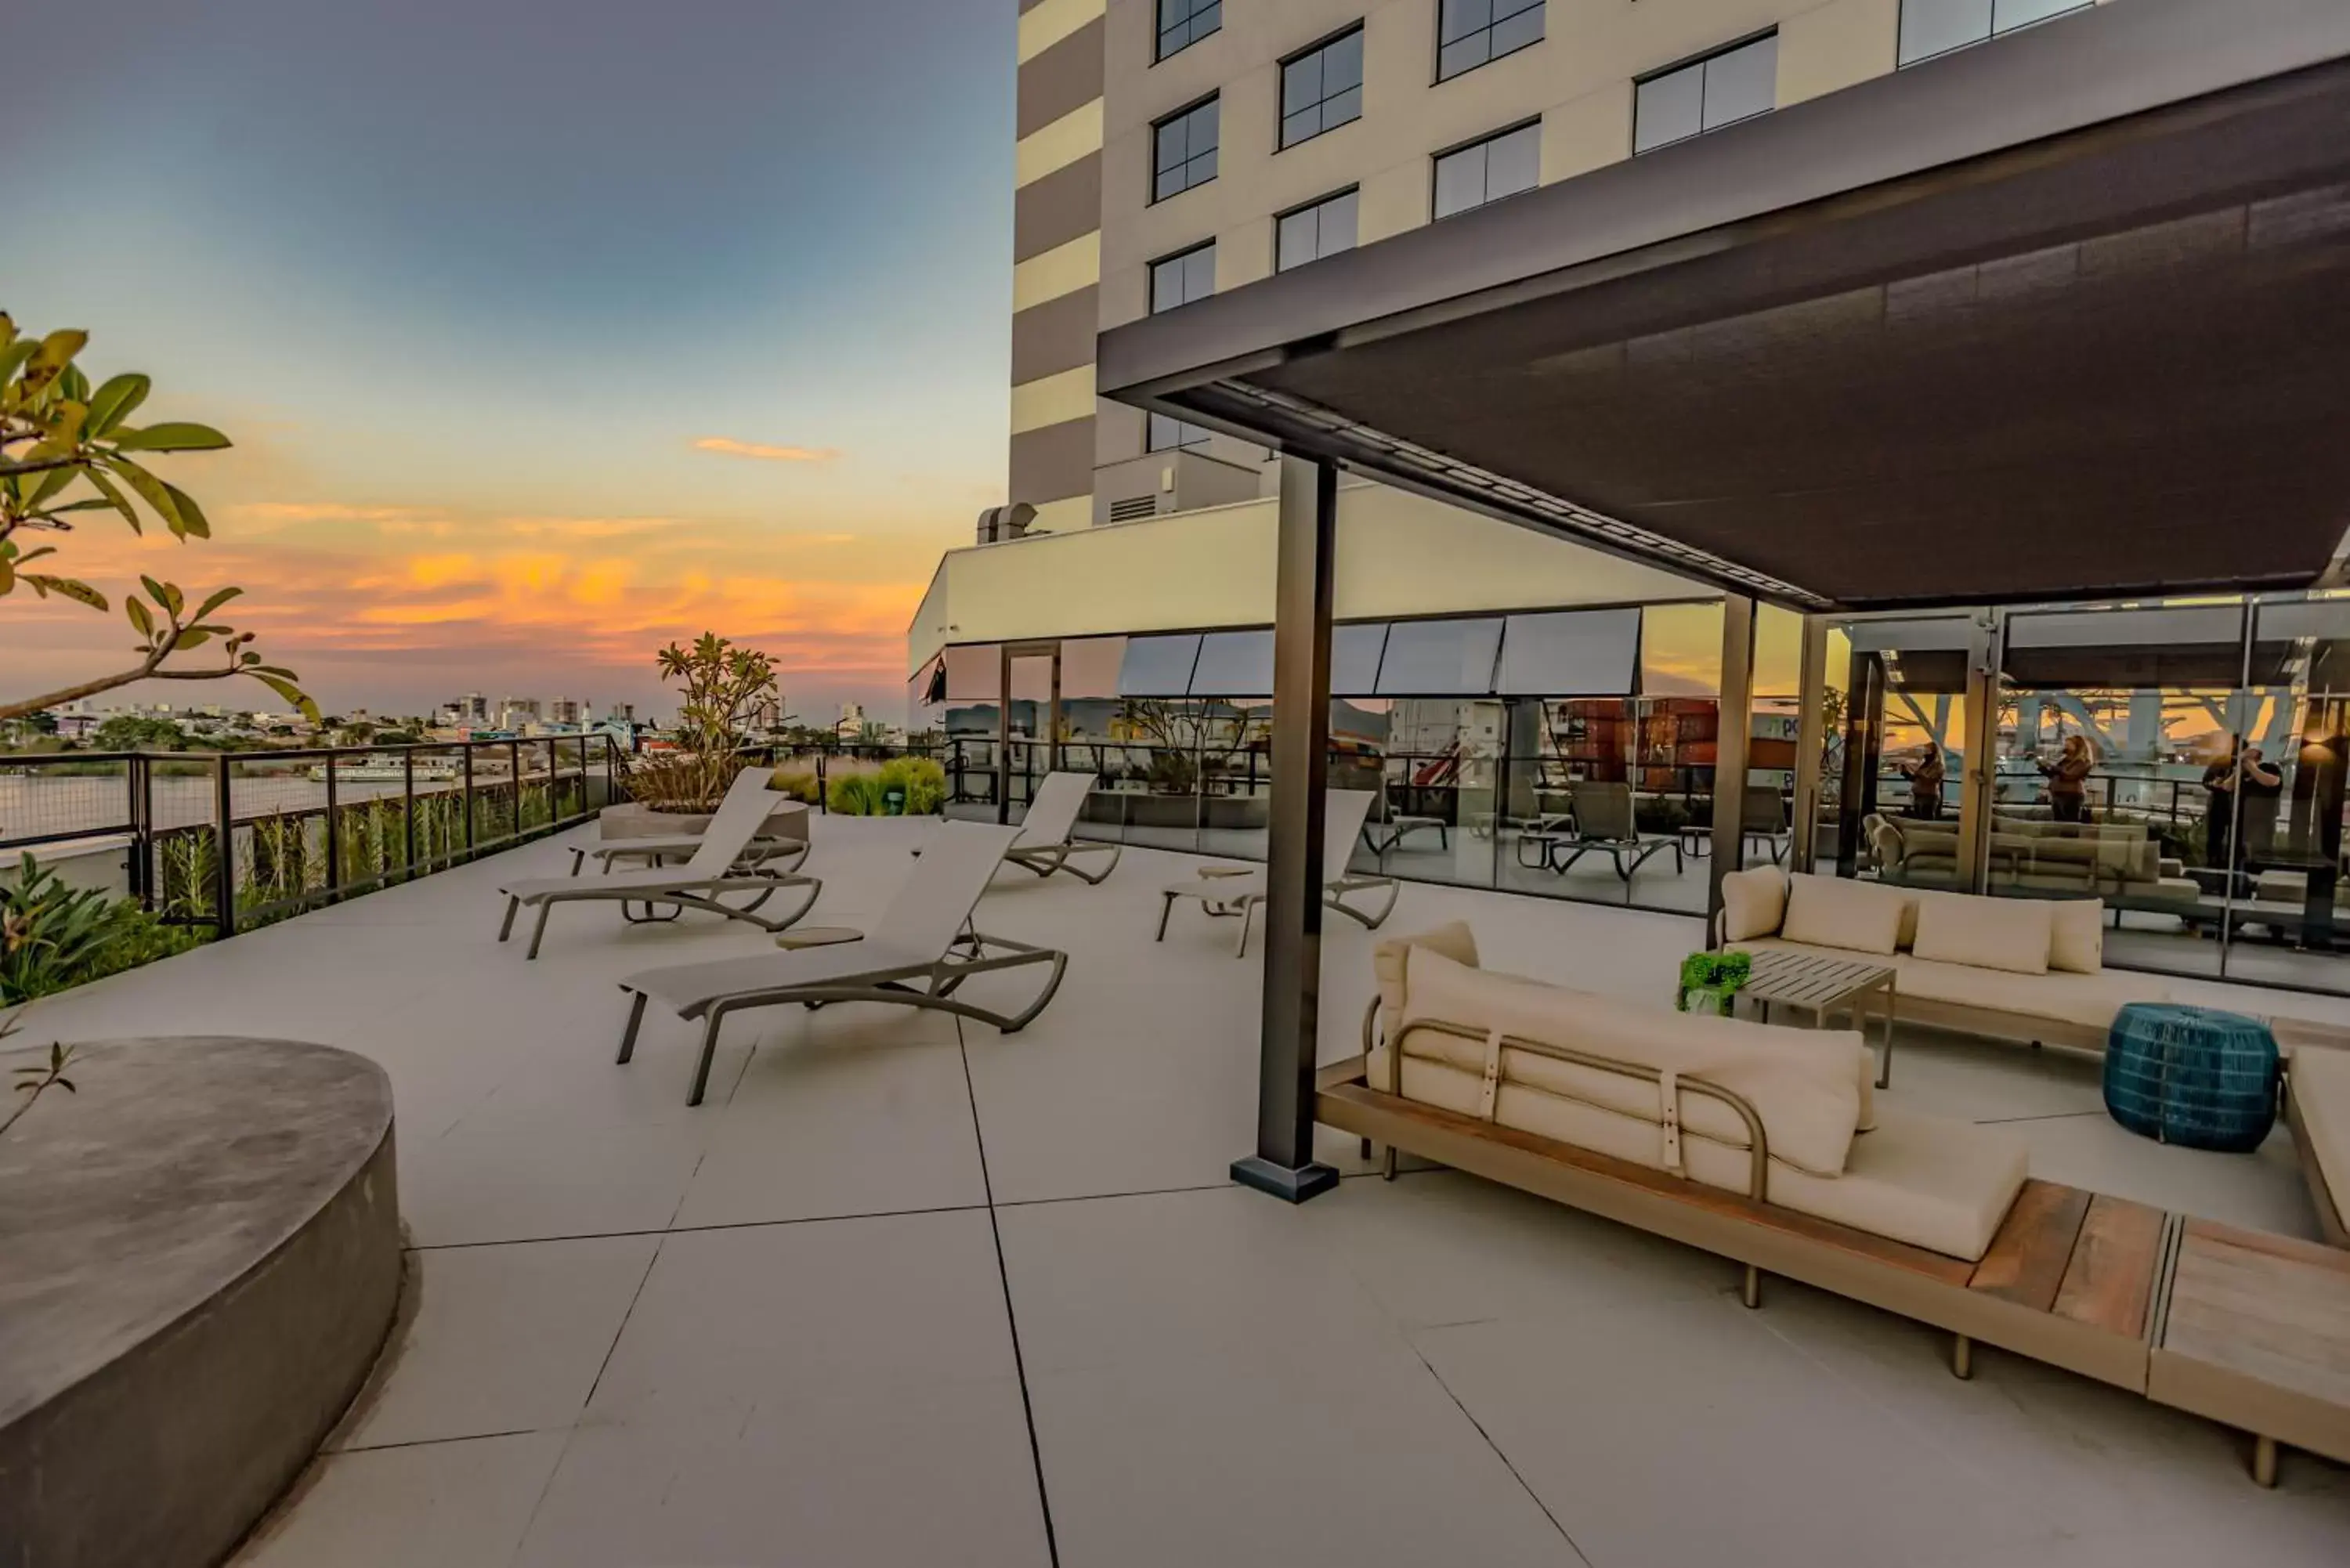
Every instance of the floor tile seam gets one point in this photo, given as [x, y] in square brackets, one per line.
[1479, 1426]
[2040, 1116]
[442, 1442]
[1011, 1312]
[699, 1230]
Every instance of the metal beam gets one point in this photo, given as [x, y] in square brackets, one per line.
[1811, 744]
[1730, 756]
[1290, 1027]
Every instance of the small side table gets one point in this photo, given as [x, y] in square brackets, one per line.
[1820, 986]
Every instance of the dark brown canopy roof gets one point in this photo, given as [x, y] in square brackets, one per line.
[2066, 316]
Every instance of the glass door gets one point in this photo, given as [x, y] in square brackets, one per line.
[1030, 725]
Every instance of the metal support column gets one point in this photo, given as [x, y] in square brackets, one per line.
[1737, 726]
[1284, 1162]
[1811, 745]
[1003, 736]
[1979, 739]
[1864, 697]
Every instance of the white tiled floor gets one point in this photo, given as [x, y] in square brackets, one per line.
[822, 1319]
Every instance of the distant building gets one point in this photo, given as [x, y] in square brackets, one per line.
[624, 712]
[518, 713]
[571, 711]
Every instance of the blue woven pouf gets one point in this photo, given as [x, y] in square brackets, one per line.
[2192, 1075]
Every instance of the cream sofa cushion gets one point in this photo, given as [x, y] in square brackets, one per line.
[2090, 1000]
[1753, 903]
[2011, 934]
[1800, 1083]
[2320, 1085]
[1832, 912]
[1454, 940]
[1941, 1185]
[2076, 936]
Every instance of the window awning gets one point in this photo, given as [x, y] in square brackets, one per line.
[2061, 317]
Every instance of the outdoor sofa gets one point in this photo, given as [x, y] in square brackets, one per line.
[2027, 969]
[2317, 1108]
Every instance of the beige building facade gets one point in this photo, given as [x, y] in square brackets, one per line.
[1584, 83]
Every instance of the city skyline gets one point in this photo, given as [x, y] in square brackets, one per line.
[628, 338]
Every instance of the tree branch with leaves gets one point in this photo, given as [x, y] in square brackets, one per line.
[67, 449]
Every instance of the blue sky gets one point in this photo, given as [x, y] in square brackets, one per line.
[699, 309]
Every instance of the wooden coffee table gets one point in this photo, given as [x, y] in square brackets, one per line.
[1821, 986]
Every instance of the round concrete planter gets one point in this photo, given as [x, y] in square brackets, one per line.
[202, 1261]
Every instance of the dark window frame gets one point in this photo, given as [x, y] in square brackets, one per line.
[1436, 159]
[1282, 111]
[1160, 31]
[1444, 76]
[1159, 128]
[1150, 275]
[1187, 434]
[1997, 32]
[1692, 62]
[1318, 202]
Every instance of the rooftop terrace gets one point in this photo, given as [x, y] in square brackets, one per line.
[908, 1292]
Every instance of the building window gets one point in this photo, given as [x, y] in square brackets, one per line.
[1185, 145]
[1930, 27]
[1309, 233]
[1184, 23]
[1181, 279]
[1168, 433]
[1471, 32]
[1737, 83]
[1488, 170]
[1322, 89]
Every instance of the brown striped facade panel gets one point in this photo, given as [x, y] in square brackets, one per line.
[1064, 78]
[1057, 208]
[1055, 462]
[1054, 336]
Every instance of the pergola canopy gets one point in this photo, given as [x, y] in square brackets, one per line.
[2063, 317]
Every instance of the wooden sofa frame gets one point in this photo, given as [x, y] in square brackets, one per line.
[2320, 1194]
[2074, 1279]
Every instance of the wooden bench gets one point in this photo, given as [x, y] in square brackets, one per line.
[2252, 1331]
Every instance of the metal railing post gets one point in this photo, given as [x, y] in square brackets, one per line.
[554, 782]
[822, 795]
[224, 838]
[514, 770]
[140, 783]
[334, 834]
[408, 811]
[465, 752]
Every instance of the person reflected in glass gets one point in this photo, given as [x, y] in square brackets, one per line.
[1926, 775]
[2263, 782]
[2068, 780]
[2236, 771]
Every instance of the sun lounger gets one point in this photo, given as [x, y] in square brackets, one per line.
[1603, 824]
[773, 852]
[716, 869]
[1044, 845]
[918, 954]
[1229, 890]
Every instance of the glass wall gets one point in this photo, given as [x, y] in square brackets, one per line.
[2182, 763]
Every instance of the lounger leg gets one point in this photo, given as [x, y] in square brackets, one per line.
[1367, 1149]
[1751, 1294]
[628, 1036]
[2264, 1462]
[1388, 1164]
[578, 859]
[1248, 913]
[505, 927]
[709, 1049]
[1166, 908]
[538, 930]
[1963, 1357]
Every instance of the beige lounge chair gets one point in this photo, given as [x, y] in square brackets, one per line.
[918, 954]
[716, 869]
[1045, 844]
[775, 852]
[1604, 820]
[1237, 890]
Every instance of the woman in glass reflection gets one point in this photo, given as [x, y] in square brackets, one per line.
[2068, 780]
[2233, 772]
[1926, 775]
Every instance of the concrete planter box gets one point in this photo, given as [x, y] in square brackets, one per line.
[202, 1261]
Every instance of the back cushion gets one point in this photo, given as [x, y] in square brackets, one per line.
[1753, 903]
[2011, 934]
[2076, 936]
[1830, 912]
[1455, 940]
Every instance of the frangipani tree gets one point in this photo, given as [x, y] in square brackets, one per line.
[67, 449]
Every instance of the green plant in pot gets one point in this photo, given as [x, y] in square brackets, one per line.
[1711, 983]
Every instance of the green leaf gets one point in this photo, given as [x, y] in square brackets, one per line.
[116, 499]
[175, 436]
[141, 616]
[74, 387]
[192, 520]
[14, 357]
[7, 575]
[48, 485]
[194, 637]
[58, 349]
[154, 492]
[155, 590]
[215, 602]
[80, 593]
[113, 404]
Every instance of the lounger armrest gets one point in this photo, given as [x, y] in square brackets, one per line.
[818, 936]
[1228, 870]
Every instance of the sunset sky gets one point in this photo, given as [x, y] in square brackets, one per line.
[546, 332]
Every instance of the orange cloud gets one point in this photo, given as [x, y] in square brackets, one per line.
[731, 448]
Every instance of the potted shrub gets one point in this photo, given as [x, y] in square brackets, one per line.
[678, 791]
